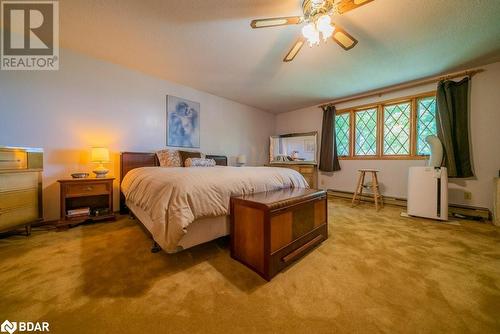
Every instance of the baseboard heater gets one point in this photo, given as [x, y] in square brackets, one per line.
[464, 210]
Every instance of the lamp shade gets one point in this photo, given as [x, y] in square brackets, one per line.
[99, 154]
[242, 159]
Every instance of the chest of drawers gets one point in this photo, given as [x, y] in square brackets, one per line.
[308, 171]
[20, 187]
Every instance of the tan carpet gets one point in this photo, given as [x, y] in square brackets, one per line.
[377, 273]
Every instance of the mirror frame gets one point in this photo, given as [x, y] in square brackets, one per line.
[289, 135]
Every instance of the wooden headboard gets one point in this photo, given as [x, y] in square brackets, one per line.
[132, 160]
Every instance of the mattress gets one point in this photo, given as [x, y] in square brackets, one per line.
[173, 198]
[198, 232]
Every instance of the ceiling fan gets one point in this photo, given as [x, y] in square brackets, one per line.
[318, 23]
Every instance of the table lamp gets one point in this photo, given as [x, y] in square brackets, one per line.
[100, 155]
[241, 160]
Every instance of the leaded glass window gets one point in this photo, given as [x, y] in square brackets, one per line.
[397, 129]
[426, 123]
[401, 133]
[366, 132]
[342, 132]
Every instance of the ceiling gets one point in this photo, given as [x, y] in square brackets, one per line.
[209, 45]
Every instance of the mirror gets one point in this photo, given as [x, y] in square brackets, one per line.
[294, 148]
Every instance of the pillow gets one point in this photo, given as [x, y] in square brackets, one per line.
[188, 154]
[169, 158]
[199, 162]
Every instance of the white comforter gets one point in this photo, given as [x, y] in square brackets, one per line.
[175, 197]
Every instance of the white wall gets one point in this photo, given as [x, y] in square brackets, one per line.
[90, 102]
[485, 132]
[93, 103]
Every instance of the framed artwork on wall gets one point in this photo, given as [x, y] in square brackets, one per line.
[183, 122]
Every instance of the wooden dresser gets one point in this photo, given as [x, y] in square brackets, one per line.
[308, 171]
[270, 230]
[20, 187]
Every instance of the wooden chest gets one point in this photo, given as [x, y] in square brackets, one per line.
[308, 171]
[271, 230]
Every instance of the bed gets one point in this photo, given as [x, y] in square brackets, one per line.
[185, 206]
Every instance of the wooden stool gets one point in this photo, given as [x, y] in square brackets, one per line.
[374, 185]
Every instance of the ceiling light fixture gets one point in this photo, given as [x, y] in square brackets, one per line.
[320, 21]
[311, 34]
[321, 24]
[324, 24]
[317, 21]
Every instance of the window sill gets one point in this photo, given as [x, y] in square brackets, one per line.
[387, 157]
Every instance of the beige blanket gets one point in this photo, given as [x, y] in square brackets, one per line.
[175, 197]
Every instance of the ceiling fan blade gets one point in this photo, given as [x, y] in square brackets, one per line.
[343, 38]
[343, 6]
[276, 21]
[294, 50]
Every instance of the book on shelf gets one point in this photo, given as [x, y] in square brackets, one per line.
[78, 212]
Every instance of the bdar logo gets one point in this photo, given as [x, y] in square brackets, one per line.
[30, 36]
[24, 326]
[8, 326]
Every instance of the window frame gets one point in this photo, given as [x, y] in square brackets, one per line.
[410, 148]
[380, 107]
[349, 137]
[416, 119]
[353, 130]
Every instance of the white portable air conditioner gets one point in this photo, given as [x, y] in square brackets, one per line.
[428, 186]
[428, 192]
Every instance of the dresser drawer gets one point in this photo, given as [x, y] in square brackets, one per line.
[16, 199]
[19, 216]
[306, 170]
[19, 181]
[13, 159]
[92, 189]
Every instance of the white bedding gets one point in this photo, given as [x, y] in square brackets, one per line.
[175, 197]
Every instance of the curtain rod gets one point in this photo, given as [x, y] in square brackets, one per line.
[401, 86]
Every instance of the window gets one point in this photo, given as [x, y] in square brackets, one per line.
[342, 131]
[397, 129]
[366, 132]
[426, 123]
[394, 129]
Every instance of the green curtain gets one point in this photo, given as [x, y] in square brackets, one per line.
[453, 126]
[328, 160]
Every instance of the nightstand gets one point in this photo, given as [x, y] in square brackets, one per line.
[85, 200]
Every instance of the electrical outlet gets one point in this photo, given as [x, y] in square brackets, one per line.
[467, 195]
